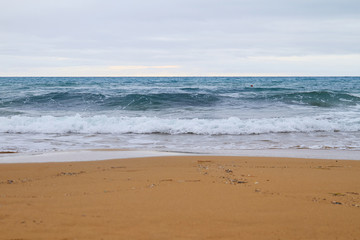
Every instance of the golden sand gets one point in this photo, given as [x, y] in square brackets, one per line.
[181, 198]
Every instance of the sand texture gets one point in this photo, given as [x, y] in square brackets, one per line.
[181, 198]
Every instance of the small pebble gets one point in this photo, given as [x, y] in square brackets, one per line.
[10, 181]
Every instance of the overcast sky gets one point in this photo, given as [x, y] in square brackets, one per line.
[179, 37]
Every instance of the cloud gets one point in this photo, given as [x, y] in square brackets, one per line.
[307, 58]
[141, 67]
[204, 36]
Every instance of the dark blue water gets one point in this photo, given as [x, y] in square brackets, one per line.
[41, 114]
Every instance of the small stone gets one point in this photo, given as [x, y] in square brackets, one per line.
[241, 182]
[10, 181]
[335, 202]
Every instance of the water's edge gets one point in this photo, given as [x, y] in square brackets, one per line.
[107, 154]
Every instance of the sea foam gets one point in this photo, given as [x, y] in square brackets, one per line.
[149, 125]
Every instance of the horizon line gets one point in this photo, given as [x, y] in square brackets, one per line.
[195, 76]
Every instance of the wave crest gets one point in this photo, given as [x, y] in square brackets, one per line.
[319, 99]
[102, 124]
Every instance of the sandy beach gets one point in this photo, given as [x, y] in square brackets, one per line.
[181, 197]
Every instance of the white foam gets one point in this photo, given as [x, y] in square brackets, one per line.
[148, 125]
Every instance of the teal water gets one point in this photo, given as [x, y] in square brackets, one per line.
[177, 113]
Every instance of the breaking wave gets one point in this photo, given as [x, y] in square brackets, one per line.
[319, 98]
[102, 124]
[178, 98]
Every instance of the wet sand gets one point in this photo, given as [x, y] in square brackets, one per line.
[181, 197]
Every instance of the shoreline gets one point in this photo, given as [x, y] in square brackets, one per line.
[181, 197]
[84, 155]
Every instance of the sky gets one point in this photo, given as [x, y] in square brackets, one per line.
[180, 38]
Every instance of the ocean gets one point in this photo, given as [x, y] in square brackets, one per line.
[185, 114]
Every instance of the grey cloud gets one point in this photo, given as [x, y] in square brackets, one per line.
[199, 33]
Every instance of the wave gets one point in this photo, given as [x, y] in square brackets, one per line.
[161, 100]
[102, 124]
[319, 98]
[52, 99]
[70, 100]
[179, 98]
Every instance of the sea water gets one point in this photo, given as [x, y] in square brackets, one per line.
[191, 114]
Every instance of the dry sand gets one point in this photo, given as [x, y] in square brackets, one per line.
[181, 198]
